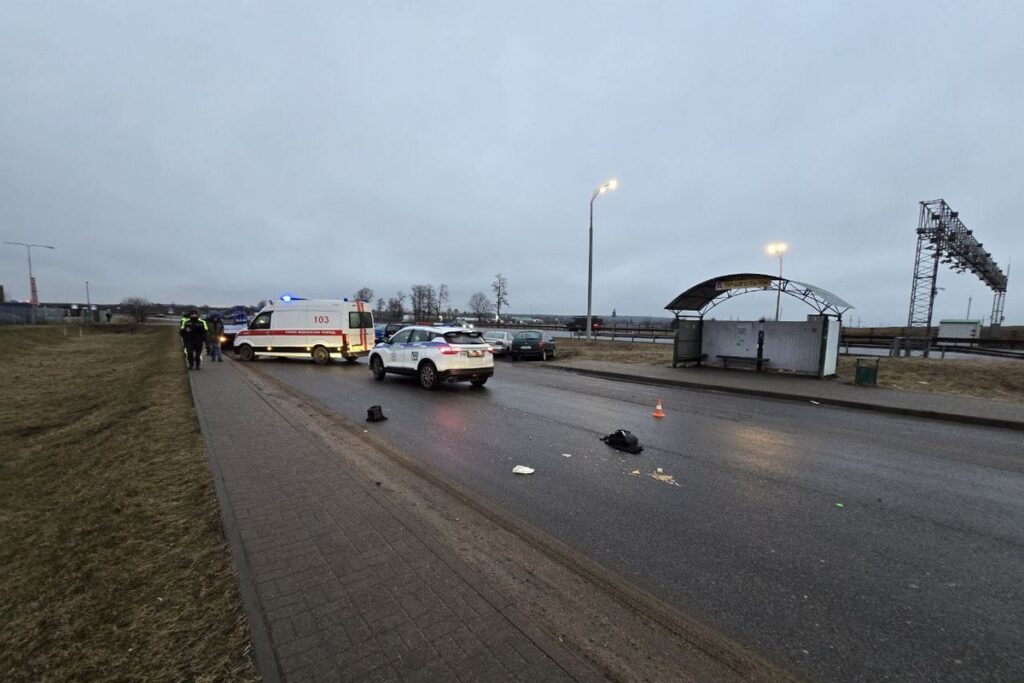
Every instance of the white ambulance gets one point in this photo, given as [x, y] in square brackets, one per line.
[320, 329]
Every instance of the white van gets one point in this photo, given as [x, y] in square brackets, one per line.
[320, 329]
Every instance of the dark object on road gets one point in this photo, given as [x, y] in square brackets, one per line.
[375, 414]
[623, 440]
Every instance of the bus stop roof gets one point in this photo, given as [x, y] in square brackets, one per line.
[703, 297]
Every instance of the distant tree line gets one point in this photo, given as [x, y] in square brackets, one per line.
[427, 302]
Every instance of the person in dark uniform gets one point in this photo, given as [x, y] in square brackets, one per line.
[193, 336]
[214, 330]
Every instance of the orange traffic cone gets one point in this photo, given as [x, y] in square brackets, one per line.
[658, 412]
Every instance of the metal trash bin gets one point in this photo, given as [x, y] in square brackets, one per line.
[866, 374]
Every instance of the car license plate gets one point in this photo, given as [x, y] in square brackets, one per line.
[527, 346]
[475, 354]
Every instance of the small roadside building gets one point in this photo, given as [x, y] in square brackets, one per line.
[808, 346]
[959, 329]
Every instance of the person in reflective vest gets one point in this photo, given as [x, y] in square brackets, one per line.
[193, 336]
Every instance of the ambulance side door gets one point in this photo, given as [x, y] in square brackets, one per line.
[260, 333]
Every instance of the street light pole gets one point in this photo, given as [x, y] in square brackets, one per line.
[601, 189]
[778, 248]
[31, 280]
[88, 302]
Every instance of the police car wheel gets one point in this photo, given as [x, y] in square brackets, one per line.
[428, 375]
[245, 353]
[321, 356]
[377, 368]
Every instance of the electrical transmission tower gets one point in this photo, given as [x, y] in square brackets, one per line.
[941, 236]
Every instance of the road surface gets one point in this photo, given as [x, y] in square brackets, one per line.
[844, 545]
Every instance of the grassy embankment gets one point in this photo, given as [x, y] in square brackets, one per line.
[115, 562]
[986, 378]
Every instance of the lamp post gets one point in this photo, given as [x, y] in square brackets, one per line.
[778, 248]
[601, 189]
[88, 301]
[31, 281]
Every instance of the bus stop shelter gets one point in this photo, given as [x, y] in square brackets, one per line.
[808, 346]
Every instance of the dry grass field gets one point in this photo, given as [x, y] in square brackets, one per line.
[985, 378]
[115, 562]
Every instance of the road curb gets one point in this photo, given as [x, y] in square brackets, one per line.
[842, 403]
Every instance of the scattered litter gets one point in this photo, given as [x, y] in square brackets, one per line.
[635, 473]
[840, 505]
[378, 483]
[375, 414]
[521, 469]
[660, 475]
[815, 403]
[920, 381]
[623, 440]
[566, 455]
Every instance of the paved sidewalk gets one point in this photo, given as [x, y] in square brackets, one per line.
[827, 392]
[337, 583]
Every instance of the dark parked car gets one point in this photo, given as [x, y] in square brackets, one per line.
[391, 328]
[532, 343]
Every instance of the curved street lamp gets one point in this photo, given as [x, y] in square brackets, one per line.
[778, 249]
[600, 189]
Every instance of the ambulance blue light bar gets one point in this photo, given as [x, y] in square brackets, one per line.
[291, 297]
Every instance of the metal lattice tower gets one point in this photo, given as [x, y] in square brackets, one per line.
[941, 236]
[998, 302]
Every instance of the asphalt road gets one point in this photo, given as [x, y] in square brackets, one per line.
[916, 577]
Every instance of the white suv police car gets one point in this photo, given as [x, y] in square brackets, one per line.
[435, 355]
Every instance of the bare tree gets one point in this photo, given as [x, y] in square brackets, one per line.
[500, 287]
[429, 301]
[480, 305]
[363, 294]
[382, 306]
[137, 307]
[260, 304]
[442, 299]
[396, 306]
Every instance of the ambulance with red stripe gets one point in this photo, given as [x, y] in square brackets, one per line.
[321, 329]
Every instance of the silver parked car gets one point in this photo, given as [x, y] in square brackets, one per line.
[499, 341]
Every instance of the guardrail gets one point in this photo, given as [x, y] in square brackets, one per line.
[885, 341]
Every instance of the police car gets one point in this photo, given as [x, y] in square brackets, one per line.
[434, 355]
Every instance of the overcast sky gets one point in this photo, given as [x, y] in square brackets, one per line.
[225, 152]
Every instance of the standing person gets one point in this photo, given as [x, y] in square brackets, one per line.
[193, 336]
[108, 316]
[215, 328]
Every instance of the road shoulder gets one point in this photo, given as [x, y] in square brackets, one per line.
[572, 611]
[962, 409]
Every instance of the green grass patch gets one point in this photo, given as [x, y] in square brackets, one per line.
[115, 562]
